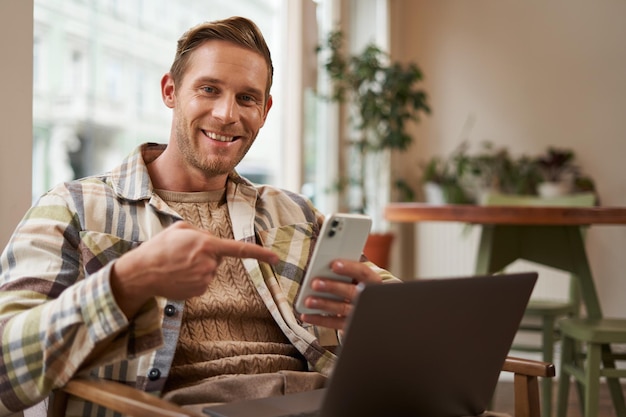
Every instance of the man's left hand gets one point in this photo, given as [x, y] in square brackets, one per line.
[338, 310]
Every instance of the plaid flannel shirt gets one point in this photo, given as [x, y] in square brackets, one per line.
[58, 317]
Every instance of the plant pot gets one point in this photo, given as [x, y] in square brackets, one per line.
[438, 194]
[433, 193]
[378, 248]
[553, 189]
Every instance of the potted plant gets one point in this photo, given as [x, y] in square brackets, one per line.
[381, 97]
[489, 169]
[559, 170]
[561, 174]
[467, 176]
[523, 177]
[441, 178]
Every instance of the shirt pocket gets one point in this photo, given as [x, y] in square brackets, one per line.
[98, 249]
[293, 243]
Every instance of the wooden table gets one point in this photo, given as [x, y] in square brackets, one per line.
[550, 236]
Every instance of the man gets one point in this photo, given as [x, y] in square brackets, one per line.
[171, 273]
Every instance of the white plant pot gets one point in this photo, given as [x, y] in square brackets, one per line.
[553, 189]
[433, 193]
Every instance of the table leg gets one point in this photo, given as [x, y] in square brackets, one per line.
[560, 247]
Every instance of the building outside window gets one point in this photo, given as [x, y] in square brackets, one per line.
[96, 90]
[96, 85]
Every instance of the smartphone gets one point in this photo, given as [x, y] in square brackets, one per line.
[342, 236]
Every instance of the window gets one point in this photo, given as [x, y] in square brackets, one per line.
[325, 156]
[97, 71]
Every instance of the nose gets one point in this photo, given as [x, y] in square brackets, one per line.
[225, 108]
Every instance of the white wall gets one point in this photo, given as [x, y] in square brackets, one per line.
[529, 74]
[16, 52]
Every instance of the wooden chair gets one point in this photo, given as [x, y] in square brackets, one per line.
[131, 402]
[541, 315]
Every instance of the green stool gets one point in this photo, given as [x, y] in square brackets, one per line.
[547, 314]
[595, 337]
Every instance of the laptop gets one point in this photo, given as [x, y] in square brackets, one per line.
[429, 347]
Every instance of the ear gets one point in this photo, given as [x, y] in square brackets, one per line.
[268, 106]
[168, 90]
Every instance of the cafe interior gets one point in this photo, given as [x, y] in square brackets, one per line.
[521, 78]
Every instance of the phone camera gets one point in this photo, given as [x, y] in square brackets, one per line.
[334, 226]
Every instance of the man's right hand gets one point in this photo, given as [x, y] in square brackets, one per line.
[178, 263]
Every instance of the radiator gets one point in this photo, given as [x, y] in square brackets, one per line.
[445, 249]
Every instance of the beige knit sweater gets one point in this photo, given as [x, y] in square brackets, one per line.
[227, 330]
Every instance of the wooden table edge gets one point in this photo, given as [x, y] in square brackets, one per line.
[522, 215]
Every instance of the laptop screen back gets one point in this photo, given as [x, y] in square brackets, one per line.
[427, 347]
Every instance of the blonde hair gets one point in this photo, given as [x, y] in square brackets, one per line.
[238, 30]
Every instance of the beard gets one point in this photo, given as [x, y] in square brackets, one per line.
[212, 164]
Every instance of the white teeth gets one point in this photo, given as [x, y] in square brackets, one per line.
[217, 137]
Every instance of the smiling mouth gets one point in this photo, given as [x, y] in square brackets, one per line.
[219, 138]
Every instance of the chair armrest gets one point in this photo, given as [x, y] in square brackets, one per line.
[130, 401]
[528, 367]
[525, 382]
[122, 398]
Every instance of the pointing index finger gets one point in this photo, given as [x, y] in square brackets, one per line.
[242, 250]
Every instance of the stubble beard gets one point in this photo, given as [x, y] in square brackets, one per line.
[211, 165]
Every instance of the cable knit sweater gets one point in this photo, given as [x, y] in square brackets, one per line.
[227, 330]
